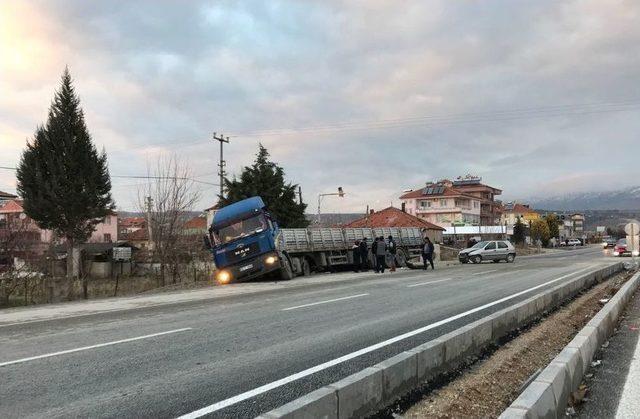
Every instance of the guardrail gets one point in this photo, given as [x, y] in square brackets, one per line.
[375, 387]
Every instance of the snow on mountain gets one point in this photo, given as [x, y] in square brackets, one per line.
[625, 199]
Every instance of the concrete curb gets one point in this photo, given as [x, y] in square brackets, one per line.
[564, 374]
[374, 388]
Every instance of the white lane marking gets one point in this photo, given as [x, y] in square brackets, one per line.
[324, 302]
[628, 403]
[485, 272]
[429, 282]
[286, 380]
[84, 348]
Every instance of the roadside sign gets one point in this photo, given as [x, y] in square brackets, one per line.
[601, 229]
[633, 244]
[632, 229]
[121, 253]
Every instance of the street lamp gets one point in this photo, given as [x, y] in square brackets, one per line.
[339, 194]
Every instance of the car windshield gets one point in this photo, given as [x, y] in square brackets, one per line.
[240, 229]
[479, 245]
[622, 242]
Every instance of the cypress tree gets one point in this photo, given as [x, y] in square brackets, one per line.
[266, 179]
[62, 178]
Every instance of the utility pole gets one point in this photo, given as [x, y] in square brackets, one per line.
[222, 163]
[149, 206]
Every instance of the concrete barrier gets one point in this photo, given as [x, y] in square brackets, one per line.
[564, 374]
[373, 388]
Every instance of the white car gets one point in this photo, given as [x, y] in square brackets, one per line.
[571, 242]
[493, 250]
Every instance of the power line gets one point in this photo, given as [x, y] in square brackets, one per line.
[147, 177]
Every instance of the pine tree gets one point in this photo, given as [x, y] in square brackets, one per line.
[62, 178]
[266, 179]
[519, 232]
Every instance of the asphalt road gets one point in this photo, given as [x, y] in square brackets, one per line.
[244, 355]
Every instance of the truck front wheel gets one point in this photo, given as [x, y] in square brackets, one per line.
[286, 273]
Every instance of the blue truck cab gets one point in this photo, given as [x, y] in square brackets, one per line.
[244, 242]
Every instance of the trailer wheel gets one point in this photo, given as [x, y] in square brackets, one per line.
[286, 272]
[306, 267]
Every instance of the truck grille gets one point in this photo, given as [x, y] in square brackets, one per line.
[243, 253]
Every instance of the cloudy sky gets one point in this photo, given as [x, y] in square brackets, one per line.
[537, 97]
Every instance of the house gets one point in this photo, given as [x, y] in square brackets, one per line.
[196, 226]
[106, 231]
[514, 210]
[5, 196]
[465, 201]
[128, 225]
[210, 212]
[139, 238]
[394, 217]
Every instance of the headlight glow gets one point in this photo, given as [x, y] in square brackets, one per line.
[636, 253]
[223, 277]
[616, 253]
[270, 260]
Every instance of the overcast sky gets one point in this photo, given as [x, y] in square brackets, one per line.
[537, 97]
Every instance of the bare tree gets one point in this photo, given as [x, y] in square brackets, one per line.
[166, 199]
[20, 256]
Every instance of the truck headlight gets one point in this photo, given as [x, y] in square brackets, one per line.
[270, 260]
[223, 277]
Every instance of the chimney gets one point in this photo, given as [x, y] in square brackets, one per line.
[371, 211]
[403, 207]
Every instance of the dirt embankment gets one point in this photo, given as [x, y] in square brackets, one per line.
[491, 384]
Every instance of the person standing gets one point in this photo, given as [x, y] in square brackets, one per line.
[364, 255]
[427, 253]
[392, 253]
[355, 250]
[381, 254]
[374, 253]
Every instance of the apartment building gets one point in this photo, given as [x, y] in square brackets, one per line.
[513, 211]
[465, 201]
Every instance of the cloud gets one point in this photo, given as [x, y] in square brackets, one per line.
[493, 87]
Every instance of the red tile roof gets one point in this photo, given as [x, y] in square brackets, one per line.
[392, 217]
[132, 221]
[138, 235]
[519, 209]
[7, 195]
[11, 206]
[448, 191]
[196, 223]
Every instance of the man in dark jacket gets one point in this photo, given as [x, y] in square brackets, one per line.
[427, 253]
[392, 253]
[356, 256]
[381, 254]
[374, 248]
[364, 255]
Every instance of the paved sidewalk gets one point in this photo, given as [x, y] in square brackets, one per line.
[614, 389]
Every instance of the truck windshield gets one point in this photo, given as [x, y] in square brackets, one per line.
[241, 229]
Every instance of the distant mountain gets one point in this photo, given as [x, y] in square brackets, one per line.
[624, 199]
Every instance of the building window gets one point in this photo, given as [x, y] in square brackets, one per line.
[443, 202]
[425, 204]
[107, 238]
[107, 220]
[475, 204]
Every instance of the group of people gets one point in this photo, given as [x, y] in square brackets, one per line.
[383, 251]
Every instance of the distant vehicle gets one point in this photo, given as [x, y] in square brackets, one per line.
[571, 242]
[621, 248]
[608, 242]
[493, 250]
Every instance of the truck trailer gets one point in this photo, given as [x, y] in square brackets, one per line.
[247, 243]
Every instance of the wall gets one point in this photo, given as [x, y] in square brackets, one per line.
[108, 226]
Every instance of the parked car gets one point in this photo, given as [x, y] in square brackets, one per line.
[571, 242]
[493, 250]
[608, 242]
